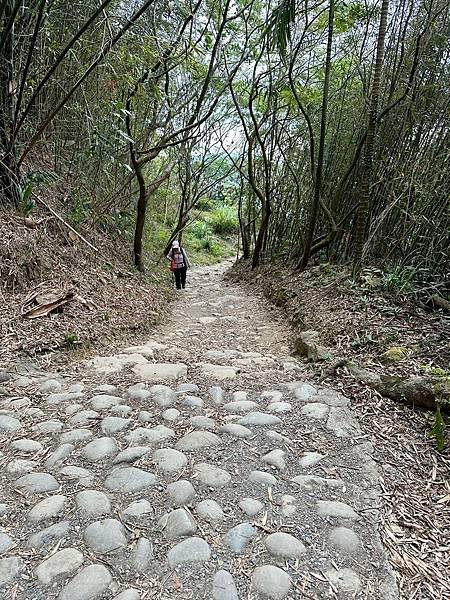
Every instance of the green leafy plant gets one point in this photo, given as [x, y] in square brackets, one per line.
[224, 220]
[71, 338]
[438, 429]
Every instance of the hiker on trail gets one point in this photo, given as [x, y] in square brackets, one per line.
[179, 264]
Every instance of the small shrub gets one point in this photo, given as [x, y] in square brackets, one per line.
[224, 220]
[71, 338]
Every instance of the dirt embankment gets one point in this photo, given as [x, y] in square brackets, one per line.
[103, 300]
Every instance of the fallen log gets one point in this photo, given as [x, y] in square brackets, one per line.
[417, 391]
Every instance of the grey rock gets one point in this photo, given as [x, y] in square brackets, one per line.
[282, 545]
[145, 416]
[163, 395]
[76, 388]
[279, 407]
[315, 410]
[37, 483]
[271, 582]
[223, 587]
[105, 536]
[217, 372]
[104, 402]
[4, 509]
[275, 458]
[49, 535]
[92, 503]
[82, 476]
[121, 410]
[51, 426]
[171, 414]
[155, 435]
[239, 396]
[75, 436]
[130, 455]
[55, 399]
[160, 371]
[190, 388]
[344, 539]
[88, 584]
[100, 449]
[345, 580]
[169, 460]
[50, 386]
[105, 388]
[129, 479]
[334, 508]
[239, 537]
[84, 417]
[129, 594]
[196, 440]
[59, 455]
[8, 423]
[112, 425]
[6, 543]
[217, 395]
[141, 555]
[138, 392]
[192, 402]
[47, 509]
[304, 391]
[210, 511]
[259, 419]
[200, 422]
[250, 506]
[61, 564]
[191, 550]
[309, 459]
[20, 466]
[27, 446]
[139, 510]
[262, 478]
[342, 423]
[10, 569]
[331, 398]
[4, 376]
[311, 482]
[181, 492]
[236, 430]
[288, 506]
[211, 475]
[240, 407]
[177, 523]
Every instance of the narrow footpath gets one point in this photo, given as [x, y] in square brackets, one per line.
[200, 465]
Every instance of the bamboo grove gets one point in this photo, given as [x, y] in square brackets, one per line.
[327, 120]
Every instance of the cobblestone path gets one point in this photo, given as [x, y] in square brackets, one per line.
[198, 466]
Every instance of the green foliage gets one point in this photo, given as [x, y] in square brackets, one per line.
[399, 279]
[71, 338]
[438, 429]
[224, 220]
[280, 24]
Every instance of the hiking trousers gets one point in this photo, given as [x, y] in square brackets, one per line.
[180, 277]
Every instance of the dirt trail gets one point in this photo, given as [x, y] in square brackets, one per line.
[199, 465]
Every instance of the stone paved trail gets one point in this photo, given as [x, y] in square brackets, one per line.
[197, 466]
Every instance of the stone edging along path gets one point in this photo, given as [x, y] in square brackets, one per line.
[199, 465]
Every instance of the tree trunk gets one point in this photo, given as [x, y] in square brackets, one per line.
[319, 171]
[364, 206]
[140, 218]
[9, 191]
